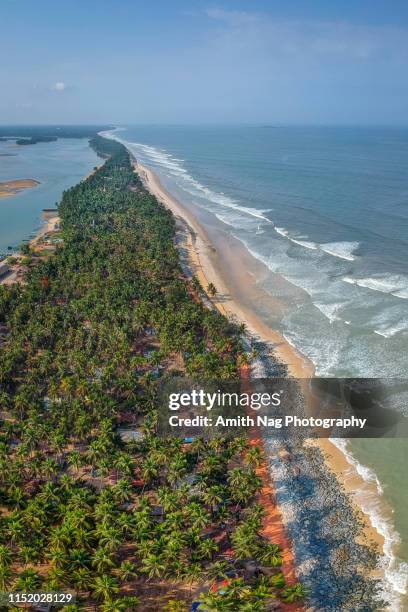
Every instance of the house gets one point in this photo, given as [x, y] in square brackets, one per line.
[130, 435]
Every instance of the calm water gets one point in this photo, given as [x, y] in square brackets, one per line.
[57, 165]
[327, 210]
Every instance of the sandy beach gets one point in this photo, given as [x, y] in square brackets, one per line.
[214, 260]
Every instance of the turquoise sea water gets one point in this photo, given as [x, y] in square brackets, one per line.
[57, 165]
[326, 209]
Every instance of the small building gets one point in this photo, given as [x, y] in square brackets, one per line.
[130, 435]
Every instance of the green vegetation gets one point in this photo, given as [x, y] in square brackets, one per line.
[35, 140]
[116, 518]
[32, 134]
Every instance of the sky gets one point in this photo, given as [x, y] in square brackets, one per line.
[188, 61]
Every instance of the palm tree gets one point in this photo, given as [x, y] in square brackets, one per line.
[82, 578]
[197, 515]
[270, 554]
[5, 556]
[213, 495]
[217, 570]
[192, 573]
[28, 581]
[153, 565]
[294, 593]
[212, 602]
[207, 548]
[254, 456]
[104, 587]
[124, 464]
[277, 581]
[102, 560]
[75, 459]
[78, 558]
[126, 570]
[149, 470]
[123, 604]
[175, 544]
[122, 491]
[5, 576]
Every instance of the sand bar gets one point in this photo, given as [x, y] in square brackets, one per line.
[11, 188]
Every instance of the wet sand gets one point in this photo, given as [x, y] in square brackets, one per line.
[214, 255]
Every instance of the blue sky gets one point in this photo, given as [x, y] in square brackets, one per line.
[174, 61]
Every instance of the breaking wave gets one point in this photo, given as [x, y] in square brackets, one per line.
[342, 250]
[393, 284]
[304, 243]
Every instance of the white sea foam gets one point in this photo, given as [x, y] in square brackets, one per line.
[343, 250]
[394, 284]
[387, 332]
[304, 243]
[370, 500]
[329, 309]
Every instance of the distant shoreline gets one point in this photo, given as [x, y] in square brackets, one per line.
[13, 187]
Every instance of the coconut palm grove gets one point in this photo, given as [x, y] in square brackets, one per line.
[92, 502]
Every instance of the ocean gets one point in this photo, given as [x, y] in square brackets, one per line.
[325, 209]
[57, 165]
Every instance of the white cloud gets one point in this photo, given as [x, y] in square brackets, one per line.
[59, 86]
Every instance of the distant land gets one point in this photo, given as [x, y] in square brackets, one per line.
[33, 134]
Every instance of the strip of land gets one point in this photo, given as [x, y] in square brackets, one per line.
[11, 188]
[91, 498]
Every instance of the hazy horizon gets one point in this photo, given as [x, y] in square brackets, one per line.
[112, 125]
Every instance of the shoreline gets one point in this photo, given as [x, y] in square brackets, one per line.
[16, 272]
[209, 261]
